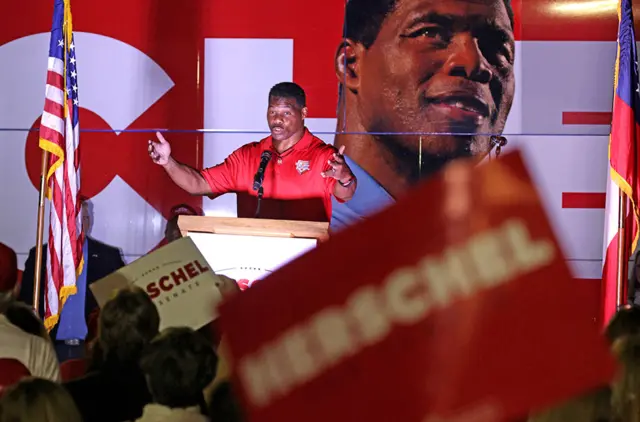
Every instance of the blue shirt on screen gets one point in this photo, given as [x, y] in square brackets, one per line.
[368, 199]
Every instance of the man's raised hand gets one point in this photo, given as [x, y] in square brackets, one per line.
[159, 151]
[338, 167]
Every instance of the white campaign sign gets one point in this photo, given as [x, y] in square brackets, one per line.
[177, 278]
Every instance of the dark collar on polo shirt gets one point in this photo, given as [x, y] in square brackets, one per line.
[304, 143]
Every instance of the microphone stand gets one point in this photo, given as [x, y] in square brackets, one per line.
[260, 194]
[258, 179]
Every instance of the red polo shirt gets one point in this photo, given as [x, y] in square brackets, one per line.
[294, 188]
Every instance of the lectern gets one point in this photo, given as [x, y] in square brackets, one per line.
[247, 249]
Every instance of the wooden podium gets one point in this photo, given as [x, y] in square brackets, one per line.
[247, 249]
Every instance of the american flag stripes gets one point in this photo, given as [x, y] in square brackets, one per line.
[59, 135]
[624, 157]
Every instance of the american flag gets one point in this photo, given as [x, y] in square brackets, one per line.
[59, 134]
[624, 158]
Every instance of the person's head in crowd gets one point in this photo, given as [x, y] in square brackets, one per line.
[172, 231]
[593, 406]
[423, 82]
[625, 323]
[23, 316]
[87, 214]
[6, 298]
[8, 269]
[127, 323]
[37, 399]
[223, 404]
[178, 364]
[623, 333]
[625, 399]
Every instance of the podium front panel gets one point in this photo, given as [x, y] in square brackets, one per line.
[249, 258]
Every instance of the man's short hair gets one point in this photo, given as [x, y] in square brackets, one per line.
[364, 18]
[625, 323]
[23, 316]
[179, 364]
[127, 323]
[289, 90]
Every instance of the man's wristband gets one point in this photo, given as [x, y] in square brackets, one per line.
[345, 185]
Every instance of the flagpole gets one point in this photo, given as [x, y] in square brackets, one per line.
[40, 232]
[623, 259]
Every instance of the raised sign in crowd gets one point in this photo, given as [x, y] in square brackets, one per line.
[448, 306]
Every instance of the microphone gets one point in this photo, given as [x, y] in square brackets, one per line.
[259, 177]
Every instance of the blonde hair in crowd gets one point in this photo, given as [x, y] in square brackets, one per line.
[591, 407]
[37, 399]
[626, 388]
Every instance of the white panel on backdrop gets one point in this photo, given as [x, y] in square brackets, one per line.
[118, 90]
[116, 81]
[565, 76]
[238, 74]
[570, 164]
[21, 102]
[587, 269]
[237, 100]
[323, 129]
[515, 117]
[134, 215]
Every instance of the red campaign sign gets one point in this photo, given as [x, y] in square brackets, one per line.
[462, 316]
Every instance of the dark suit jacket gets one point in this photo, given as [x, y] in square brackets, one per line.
[102, 261]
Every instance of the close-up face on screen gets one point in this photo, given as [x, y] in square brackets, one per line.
[426, 81]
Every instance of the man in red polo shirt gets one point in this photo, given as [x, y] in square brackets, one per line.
[300, 176]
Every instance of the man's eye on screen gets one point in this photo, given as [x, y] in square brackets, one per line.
[437, 33]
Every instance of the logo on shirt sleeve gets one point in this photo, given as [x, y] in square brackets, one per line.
[302, 166]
